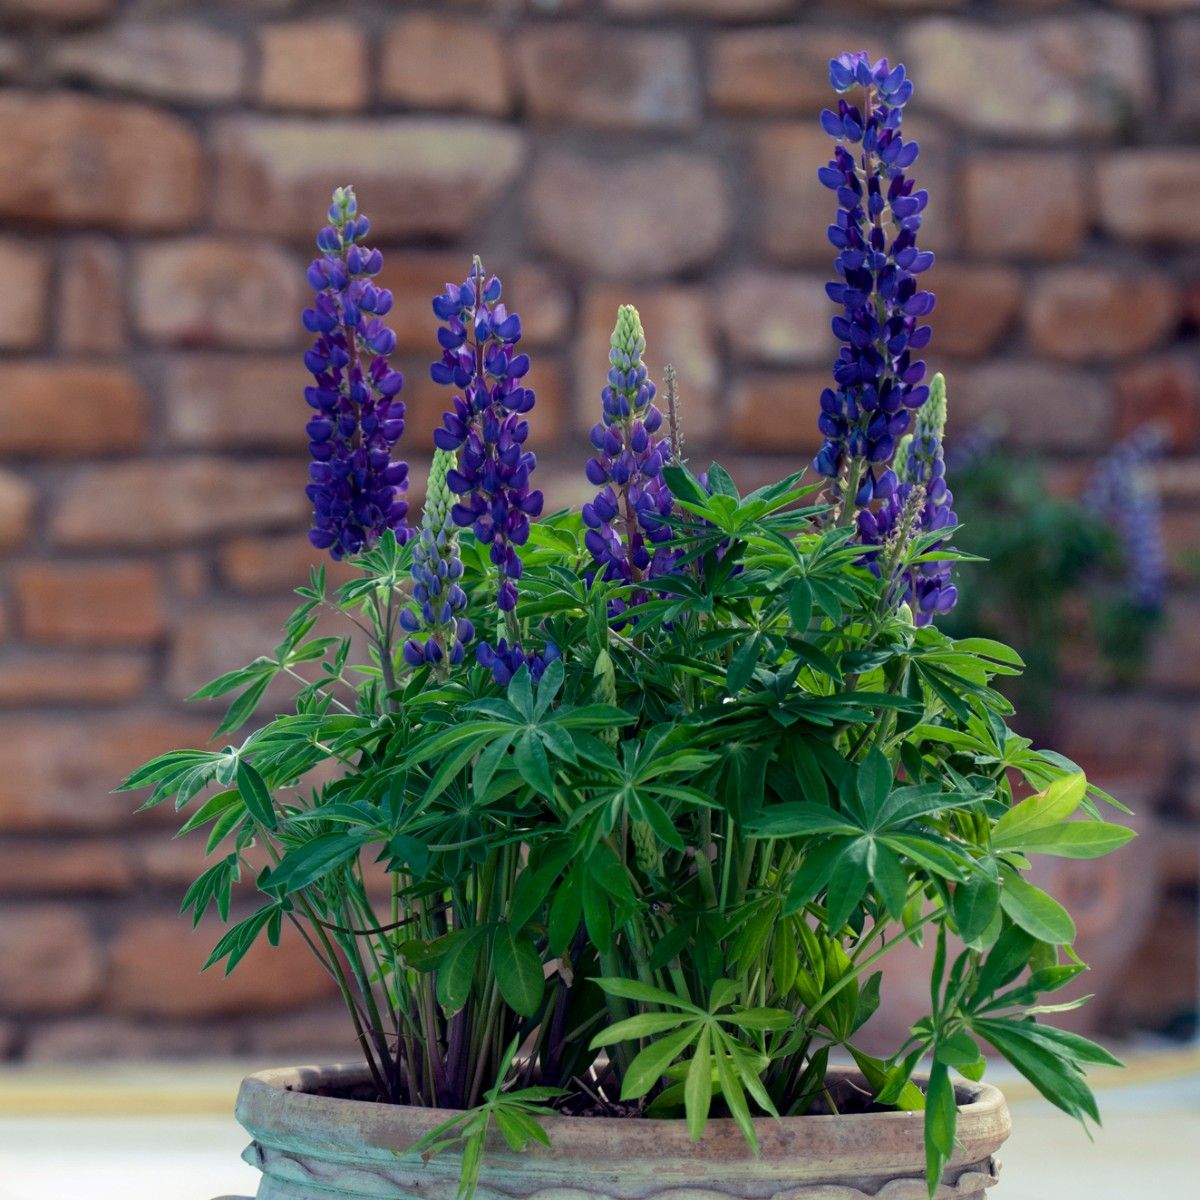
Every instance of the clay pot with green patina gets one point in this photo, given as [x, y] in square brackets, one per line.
[312, 1141]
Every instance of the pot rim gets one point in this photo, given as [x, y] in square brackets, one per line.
[280, 1102]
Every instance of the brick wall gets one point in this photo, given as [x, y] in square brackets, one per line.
[162, 167]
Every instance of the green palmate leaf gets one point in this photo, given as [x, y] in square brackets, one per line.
[1005, 961]
[941, 1119]
[974, 904]
[797, 820]
[651, 1064]
[847, 883]
[642, 1026]
[1034, 911]
[698, 1087]
[457, 968]
[1054, 1075]
[1050, 807]
[256, 795]
[644, 993]
[311, 861]
[518, 970]
[1071, 839]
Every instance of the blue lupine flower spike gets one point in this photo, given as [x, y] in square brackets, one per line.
[486, 430]
[488, 425]
[439, 630]
[877, 380]
[626, 527]
[355, 488]
[927, 587]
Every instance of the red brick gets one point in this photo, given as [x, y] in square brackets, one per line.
[219, 639]
[172, 60]
[1158, 8]
[608, 78]
[1163, 390]
[415, 176]
[542, 298]
[1181, 45]
[1088, 314]
[26, 273]
[57, 12]
[1111, 734]
[322, 1034]
[236, 401]
[269, 979]
[77, 160]
[423, 59]
[167, 502]
[976, 307]
[679, 330]
[70, 410]
[49, 961]
[1146, 196]
[56, 781]
[188, 574]
[1179, 480]
[1053, 77]
[721, 10]
[91, 315]
[96, 1039]
[1021, 204]
[775, 69]
[1040, 407]
[16, 510]
[314, 65]
[218, 292]
[600, 217]
[261, 566]
[71, 678]
[776, 318]
[109, 604]
[37, 866]
[1181, 532]
[1175, 659]
[777, 413]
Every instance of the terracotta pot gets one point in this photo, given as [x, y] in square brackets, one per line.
[315, 1147]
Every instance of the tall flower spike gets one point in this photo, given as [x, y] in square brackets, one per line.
[486, 430]
[355, 488]
[440, 631]
[877, 379]
[487, 424]
[927, 587]
[626, 526]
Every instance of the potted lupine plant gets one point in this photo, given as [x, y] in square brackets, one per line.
[605, 837]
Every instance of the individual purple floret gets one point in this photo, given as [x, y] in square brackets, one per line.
[355, 487]
[920, 503]
[439, 629]
[1122, 491]
[504, 661]
[878, 382]
[488, 422]
[626, 523]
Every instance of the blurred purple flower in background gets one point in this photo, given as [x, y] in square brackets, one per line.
[878, 382]
[1122, 491]
[355, 487]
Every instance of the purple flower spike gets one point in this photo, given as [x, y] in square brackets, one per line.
[487, 425]
[626, 527]
[877, 380]
[927, 588]
[355, 488]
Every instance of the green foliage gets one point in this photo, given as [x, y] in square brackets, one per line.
[669, 867]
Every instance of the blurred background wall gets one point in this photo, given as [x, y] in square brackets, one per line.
[163, 167]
